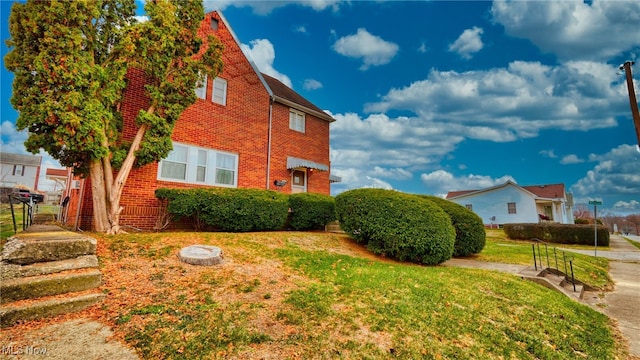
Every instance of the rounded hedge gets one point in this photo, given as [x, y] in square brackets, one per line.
[398, 225]
[310, 211]
[470, 234]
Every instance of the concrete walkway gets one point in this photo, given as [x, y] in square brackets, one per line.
[621, 304]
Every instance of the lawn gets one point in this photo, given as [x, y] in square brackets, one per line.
[319, 295]
[588, 269]
[6, 221]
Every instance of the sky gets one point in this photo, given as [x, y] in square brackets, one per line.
[438, 96]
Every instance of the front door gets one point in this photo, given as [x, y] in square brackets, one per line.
[299, 181]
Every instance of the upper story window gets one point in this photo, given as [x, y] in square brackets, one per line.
[511, 208]
[196, 165]
[18, 170]
[201, 92]
[469, 206]
[219, 91]
[214, 24]
[296, 120]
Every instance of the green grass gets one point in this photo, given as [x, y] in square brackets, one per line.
[309, 295]
[6, 221]
[590, 270]
[634, 243]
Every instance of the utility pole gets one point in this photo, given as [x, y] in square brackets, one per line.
[632, 97]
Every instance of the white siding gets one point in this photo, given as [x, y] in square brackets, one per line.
[494, 203]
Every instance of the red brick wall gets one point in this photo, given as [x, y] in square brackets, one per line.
[240, 127]
[312, 145]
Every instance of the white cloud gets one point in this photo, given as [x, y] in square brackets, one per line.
[573, 29]
[263, 54]
[505, 104]
[312, 84]
[548, 153]
[627, 205]
[266, 7]
[468, 43]
[442, 182]
[422, 48]
[373, 50]
[615, 174]
[13, 142]
[300, 29]
[571, 159]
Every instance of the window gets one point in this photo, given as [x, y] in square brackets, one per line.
[201, 92]
[201, 169]
[511, 208]
[296, 120]
[219, 91]
[225, 169]
[469, 206]
[18, 170]
[214, 24]
[175, 165]
[196, 165]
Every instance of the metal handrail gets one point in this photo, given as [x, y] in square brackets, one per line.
[564, 257]
[27, 212]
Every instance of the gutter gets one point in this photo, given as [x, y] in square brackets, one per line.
[321, 115]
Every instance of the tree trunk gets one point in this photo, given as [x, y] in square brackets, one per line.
[98, 194]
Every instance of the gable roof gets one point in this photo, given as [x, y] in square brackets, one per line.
[541, 191]
[285, 95]
[20, 159]
[277, 90]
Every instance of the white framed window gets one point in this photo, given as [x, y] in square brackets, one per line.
[219, 91]
[296, 120]
[18, 170]
[196, 165]
[511, 208]
[201, 92]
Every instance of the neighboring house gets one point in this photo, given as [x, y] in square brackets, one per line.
[246, 130]
[512, 203]
[19, 170]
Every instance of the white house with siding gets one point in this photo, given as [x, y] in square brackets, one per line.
[512, 203]
[19, 170]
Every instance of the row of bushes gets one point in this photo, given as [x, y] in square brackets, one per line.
[241, 210]
[416, 228]
[558, 233]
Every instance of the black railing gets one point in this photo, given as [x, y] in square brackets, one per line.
[27, 212]
[537, 260]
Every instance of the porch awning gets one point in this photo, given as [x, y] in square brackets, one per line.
[334, 179]
[293, 163]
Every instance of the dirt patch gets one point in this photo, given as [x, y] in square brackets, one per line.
[71, 339]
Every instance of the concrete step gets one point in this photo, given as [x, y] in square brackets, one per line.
[11, 271]
[32, 287]
[10, 314]
[554, 280]
[333, 226]
[44, 218]
[31, 247]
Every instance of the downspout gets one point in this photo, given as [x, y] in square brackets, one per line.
[80, 204]
[269, 142]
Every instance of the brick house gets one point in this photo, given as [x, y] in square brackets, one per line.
[246, 130]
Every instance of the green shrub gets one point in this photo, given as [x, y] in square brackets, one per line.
[470, 234]
[581, 221]
[558, 233]
[235, 210]
[311, 211]
[397, 225]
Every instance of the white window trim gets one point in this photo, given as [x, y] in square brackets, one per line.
[224, 84]
[293, 124]
[192, 167]
[203, 88]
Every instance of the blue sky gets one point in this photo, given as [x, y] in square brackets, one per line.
[436, 96]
